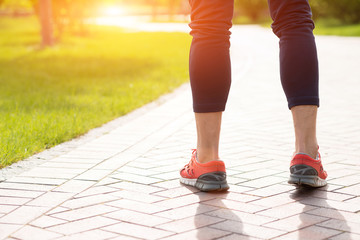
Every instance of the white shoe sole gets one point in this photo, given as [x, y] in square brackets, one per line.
[206, 185]
[313, 181]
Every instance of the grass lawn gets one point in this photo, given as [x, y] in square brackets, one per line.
[53, 95]
[328, 27]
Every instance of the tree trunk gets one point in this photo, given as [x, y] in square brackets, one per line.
[154, 4]
[46, 22]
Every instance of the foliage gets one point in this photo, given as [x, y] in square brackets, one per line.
[347, 11]
[69, 14]
[53, 95]
[72, 11]
[15, 6]
[253, 9]
[327, 27]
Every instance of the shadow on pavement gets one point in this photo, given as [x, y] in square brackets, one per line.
[306, 196]
[232, 222]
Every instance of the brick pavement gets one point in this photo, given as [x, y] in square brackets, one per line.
[121, 181]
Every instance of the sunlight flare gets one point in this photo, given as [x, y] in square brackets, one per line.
[114, 11]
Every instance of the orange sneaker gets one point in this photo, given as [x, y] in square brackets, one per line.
[210, 176]
[304, 170]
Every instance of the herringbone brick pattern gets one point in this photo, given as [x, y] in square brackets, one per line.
[123, 184]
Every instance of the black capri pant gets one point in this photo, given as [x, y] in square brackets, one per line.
[209, 65]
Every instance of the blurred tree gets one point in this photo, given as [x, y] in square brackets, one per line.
[254, 9]
[173, 6]
[15, 8]
[316, 9]
[164, 7]
[347, 11]
[45, 13]
[35, 5]
[155, 8]
[68, 14]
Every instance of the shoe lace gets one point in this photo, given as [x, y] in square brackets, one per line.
[188, 167]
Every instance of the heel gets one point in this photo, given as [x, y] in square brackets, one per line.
[214, 181]
[313, 181]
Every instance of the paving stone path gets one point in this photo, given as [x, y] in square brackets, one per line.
[121, 181]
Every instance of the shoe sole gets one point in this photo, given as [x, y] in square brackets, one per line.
[215, 181]
[313, 181]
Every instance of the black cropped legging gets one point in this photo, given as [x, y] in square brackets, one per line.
[210, 70]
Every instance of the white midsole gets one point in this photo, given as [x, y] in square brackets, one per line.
[188, 181]
[316, 182]
[321, 181]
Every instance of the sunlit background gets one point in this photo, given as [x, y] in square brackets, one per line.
[133, 13]
[125, 13]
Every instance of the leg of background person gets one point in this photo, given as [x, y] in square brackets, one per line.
[298, 68]
[210, 70]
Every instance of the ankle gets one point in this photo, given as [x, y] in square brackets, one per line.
[311, 150]
[204, 157]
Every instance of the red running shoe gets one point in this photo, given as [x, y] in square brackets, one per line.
[210, 176]
[305, 170]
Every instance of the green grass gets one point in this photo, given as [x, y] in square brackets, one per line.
[333, 27]
[329, 27]
[53, 95]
